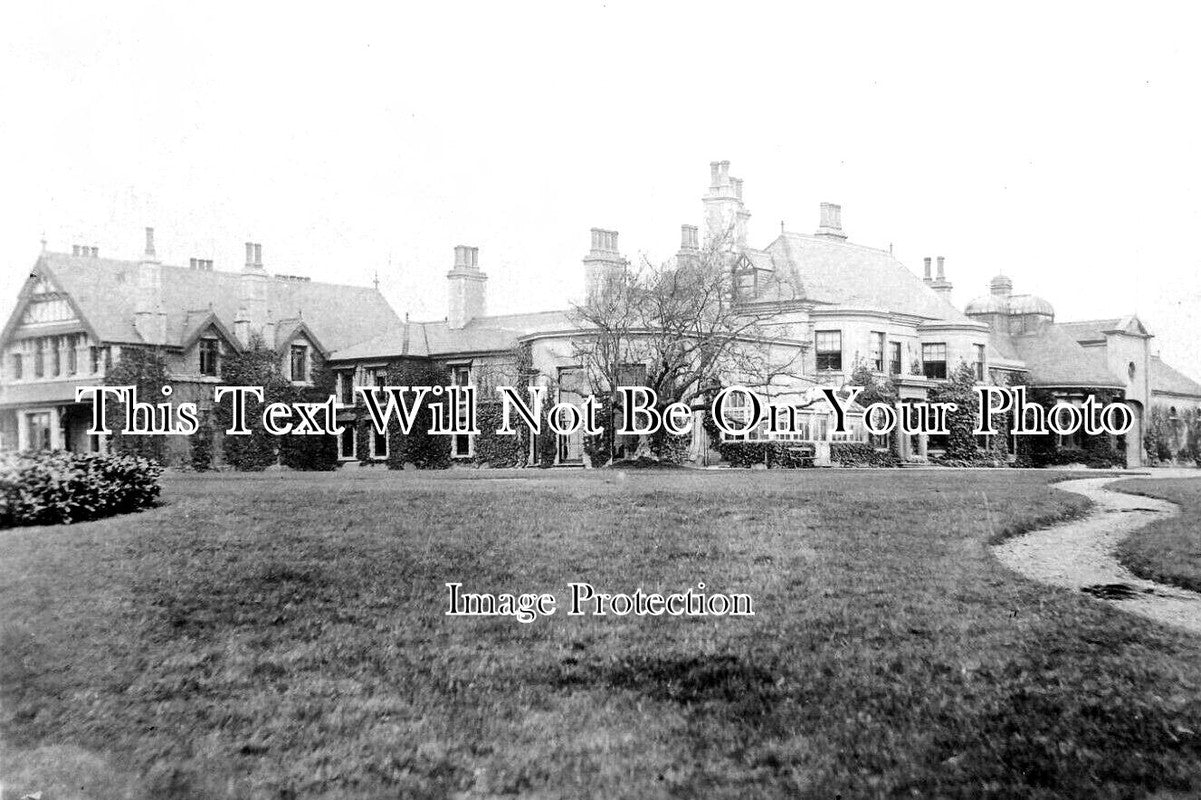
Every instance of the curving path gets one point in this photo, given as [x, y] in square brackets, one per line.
[1079, 554]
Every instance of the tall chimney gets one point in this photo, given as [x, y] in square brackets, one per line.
[466, 287]
[940, 283]
[927, 278]
[253, 316]
[689, 240]
[725, 215]
[150, 319]
[831, 222]
[603, 266]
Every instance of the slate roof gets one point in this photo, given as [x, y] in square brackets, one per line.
[854, 277]
[489, 333]
[1054, 358]
[104, 290]
[1089, 330]
[1166, 378]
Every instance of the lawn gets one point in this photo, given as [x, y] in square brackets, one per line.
[283, 636]
[1168, 551]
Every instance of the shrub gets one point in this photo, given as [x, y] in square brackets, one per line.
[418, 447]
[48, 488]
[495, 450]
[861, 454]
[202, 446]
[773, 455]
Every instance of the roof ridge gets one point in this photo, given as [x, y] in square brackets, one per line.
[839, 243]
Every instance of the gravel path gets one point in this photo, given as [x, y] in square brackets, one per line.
[1080, 555]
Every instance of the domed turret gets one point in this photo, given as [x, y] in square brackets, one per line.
[1005, 311]
[996, 302]
[1030, 304]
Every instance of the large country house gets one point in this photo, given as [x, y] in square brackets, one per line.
[78, 313]
[840, 305]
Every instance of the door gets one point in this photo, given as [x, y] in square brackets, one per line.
[573, 388]
[38, 430]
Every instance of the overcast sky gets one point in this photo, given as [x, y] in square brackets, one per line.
[1061, 148]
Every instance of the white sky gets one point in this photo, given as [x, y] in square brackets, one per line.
[1061, 147]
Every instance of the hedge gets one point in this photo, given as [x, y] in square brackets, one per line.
[775, 455]
[861, 454]
[48, 488]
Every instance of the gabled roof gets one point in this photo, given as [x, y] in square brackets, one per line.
[197, 322]
[853, 277]
[103, 291]
[1054, 359]
[1168, 379]
[287, 330]
[1094, 330]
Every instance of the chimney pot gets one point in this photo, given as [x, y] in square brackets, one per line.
[95, 252]
[831, 221]
[941, 271]
[466, 257]
[258, 254]
[149, 242]
[927, 277]
[250, 254]
[74, 249]
[688, 237]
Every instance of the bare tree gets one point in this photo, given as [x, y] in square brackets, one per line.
[688, 326]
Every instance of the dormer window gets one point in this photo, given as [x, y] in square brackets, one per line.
[210, 357]
[300, 363]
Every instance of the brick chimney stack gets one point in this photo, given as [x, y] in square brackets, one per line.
[150, 320]
[603, 266]
[830, 226]
[253, 317]
[940, 283]
[466, 289]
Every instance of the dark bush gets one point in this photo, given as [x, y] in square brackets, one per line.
[861, 454]
[773, 455]
[49, 488]
[492, 449]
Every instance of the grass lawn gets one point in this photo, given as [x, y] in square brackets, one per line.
[1168, 551]
[283, 636]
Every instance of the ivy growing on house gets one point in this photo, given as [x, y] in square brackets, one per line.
[144, 368]
[257, 365]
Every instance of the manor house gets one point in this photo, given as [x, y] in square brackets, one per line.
[835, 304]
